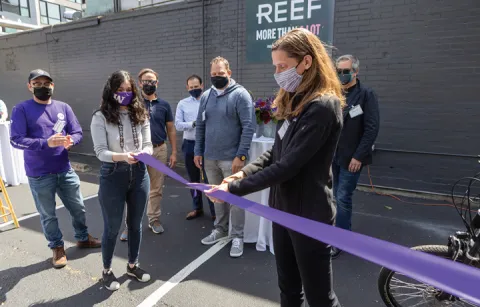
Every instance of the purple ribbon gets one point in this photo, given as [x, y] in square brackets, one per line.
[453, 277]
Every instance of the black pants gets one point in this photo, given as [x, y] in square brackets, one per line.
[195, 176]
[122, 183]
[302, 260]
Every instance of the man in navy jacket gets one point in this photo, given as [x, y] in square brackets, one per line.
[361, 121]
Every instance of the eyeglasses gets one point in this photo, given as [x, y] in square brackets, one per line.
[344, 71]
[41, 84]
[149, 82]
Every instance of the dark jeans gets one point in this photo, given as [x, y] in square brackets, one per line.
[344, 183]
[121, 183]
[195, 176]
[303, 260]
[67, 186]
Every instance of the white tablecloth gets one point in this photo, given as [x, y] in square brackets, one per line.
[257, 229]
[12, 168]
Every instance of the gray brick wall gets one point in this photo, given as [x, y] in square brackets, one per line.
[421, 57]
[164, 39]
[18, 54]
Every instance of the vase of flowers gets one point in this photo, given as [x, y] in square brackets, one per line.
[259, 130]
[266, 121]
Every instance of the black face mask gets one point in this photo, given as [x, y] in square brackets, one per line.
[43, 93]
[219, 82]
[149, 89]
[195, 92]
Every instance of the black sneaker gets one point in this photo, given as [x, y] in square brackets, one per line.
[336, 252]
[110, 281]
[138, 273]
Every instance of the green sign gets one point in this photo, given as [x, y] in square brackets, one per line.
[268, 20]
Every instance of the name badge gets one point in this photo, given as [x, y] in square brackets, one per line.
[283, 129]
[356, 111]
[203, 116]
[59, 125]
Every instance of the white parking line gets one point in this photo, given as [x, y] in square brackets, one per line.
[36, 213]
[156, 296]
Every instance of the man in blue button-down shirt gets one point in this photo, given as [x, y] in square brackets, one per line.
[185, 120]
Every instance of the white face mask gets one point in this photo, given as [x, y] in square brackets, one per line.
[289, 79]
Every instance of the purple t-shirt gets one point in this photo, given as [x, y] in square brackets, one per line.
[32, 124]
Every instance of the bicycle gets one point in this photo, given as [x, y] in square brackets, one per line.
[463, 246]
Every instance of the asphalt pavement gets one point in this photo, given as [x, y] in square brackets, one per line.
[28, 279]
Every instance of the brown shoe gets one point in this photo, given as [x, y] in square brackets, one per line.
[59, 259]
[194, 214]
[91, 242]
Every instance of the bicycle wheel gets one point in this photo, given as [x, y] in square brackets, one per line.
[398, 290]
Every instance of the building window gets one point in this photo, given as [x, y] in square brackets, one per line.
[76, 1]
[20, 7]
[49, 13]
[24, 8]
[10, 30]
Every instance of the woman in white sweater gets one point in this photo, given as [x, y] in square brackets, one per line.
[121, 130]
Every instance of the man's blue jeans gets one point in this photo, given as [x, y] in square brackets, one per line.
[344, 183]
[195, 176]
[67, 186]
[122, 183]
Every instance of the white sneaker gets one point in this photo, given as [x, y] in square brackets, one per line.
[237, 248]
[214, 237]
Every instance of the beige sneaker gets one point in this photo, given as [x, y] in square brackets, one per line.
[59, 259]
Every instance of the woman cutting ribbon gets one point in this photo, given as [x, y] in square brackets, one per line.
[120, 131]
[297, 168]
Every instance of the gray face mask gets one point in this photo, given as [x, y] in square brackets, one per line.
[289, 79]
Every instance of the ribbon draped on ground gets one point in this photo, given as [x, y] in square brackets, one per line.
[455, 278]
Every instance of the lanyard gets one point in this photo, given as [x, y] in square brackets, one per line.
[134, 132]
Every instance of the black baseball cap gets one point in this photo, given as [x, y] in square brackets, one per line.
[37, 73]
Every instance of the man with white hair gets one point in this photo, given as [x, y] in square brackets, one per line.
[361, 121]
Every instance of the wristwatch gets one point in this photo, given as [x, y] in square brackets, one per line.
[242, 157]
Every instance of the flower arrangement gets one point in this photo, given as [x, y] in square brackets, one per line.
[264, 111]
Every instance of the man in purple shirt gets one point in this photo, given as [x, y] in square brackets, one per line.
[45, 130]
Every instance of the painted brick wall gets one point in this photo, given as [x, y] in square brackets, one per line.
[18, 54]
[82, 55]
[421, 57]
[423, 60]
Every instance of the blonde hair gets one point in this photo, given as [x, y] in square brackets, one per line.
[220, 59]
[320, 79]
